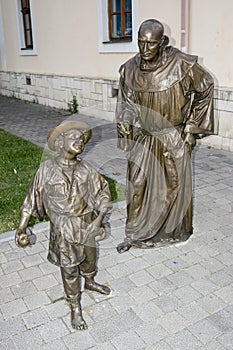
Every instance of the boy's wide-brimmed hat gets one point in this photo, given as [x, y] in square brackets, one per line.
[68, 125]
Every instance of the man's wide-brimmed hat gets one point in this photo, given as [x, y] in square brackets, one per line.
[66, 126]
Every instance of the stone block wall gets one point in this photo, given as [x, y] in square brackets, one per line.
[223, 103]
[97, 97]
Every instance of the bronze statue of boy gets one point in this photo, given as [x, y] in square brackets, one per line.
[76, 198]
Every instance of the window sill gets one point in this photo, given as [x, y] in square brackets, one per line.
[27, 52]
[118, 41]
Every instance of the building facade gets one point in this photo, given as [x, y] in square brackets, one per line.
[54, 51]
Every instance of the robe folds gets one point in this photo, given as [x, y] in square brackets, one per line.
[155, 110]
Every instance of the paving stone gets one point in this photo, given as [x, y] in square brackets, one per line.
[212, 265]
[223, 320]
[6, 344]
[30, 339]
[118, 271]
[35, 249]
[104, 346]
[186, 294]
[151, 333]
[176, 264]
[79, 340]
[32, 260]
[4, 247]
[5, 296]
[193, 312]
[196, 271]
[11, 326]
[55, 345]
[211, 303]
[23, 289]
[35, 318]
[184, 340]
[142, 294]
[204, 286]
[162, 345]
[55, 292]
[30, 273]
[36, 300]
[12, 266]
[105, 330]
[155, 258]
[10, 279]
[2, 258]
[104, 276]
[214, 345]
[57, 309]
[180, 278]
[159, 270]
[122, 285]
[102, 311]
[45, 282]
[127, 341]
[162, 286]
[191, 257]
[226, 340]
[53, 330]
[226, 258]
[141, 278]
[226, 294]
[122, 302]
[148, 311]
[168, 302]
[47, 268]
[13, 308]
[127, 320]
[135, 265]
[173, 322]
[204, 330]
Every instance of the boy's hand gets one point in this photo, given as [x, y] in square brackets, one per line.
[96, 230]
[21, 238]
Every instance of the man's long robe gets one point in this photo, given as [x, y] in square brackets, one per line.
[166, 103]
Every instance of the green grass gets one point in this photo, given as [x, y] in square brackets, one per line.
[19, 160]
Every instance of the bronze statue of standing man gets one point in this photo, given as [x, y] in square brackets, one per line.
[170, 97]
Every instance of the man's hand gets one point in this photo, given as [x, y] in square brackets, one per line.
[21, 238]
[123, 129]
[190, 141]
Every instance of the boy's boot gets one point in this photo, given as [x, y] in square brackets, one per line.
[90, 284]
[71, 283]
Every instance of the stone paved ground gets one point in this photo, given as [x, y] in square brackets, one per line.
[179, 297]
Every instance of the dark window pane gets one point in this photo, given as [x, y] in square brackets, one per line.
[27, 22]
[116, 26]
[128, 5]
[116, 5]
[28, 39]
[128, 24]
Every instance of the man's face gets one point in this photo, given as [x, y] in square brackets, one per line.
[74, 141]
[149, 44]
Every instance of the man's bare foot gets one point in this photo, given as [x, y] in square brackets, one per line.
[123, 247]
[90, 284]
[77, 320]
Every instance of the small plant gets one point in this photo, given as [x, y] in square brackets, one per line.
[73, 105]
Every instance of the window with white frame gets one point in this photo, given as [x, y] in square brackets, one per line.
[25, 27]
[117, 25]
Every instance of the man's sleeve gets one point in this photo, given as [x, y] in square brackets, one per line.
[201, 118]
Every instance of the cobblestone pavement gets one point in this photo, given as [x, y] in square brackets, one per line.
[178, 297]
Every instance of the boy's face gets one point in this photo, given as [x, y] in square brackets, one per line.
[74, 142]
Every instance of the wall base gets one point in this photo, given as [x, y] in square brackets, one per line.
[97, 98]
